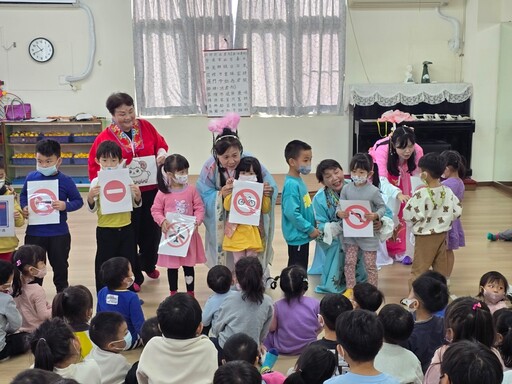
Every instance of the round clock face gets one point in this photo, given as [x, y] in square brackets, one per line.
[40, 49]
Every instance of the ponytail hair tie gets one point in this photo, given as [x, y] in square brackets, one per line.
[273, 284]
[18, 263]
[476, 306]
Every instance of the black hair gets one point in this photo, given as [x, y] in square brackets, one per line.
[240, 346]
[454, 160]
[51, 343]
[361, 161]
[470, 319]
[314, 365]
[400, 139]
[491, 277]
[109, 148]
[397, 322]
[221, 143]
[149, 330]
[294, 148]
[467, 362]
[117, 99]
[433, 164]
[6, 271]
[179, 316]
[48, 148]
[114, 271]
[40, 376]
[375, 169]
[249, 274]
[219, 279]
[293, 281]
[360, 334]
[105, 327]
[367, 296]
[74, 304]
[503, 322]
[173, 163]
[431, 292]
[237, 372]
[326, 165]
[24, 257]
[245, 165]
[331, 306]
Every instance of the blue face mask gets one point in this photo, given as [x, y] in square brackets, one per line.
[127, 340]
[305, 169]
[48, 171]
[359, 180]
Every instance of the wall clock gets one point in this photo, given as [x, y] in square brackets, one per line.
[41, 49]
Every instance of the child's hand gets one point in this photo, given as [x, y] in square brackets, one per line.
[25, 212]
[165, 226]
[371, 216]
[136, 192]
[17, 215]
[377, 225]
[403, 198]
[59, 205]
[93, 194]
[342, 214]
[267, 189]
[314, 234]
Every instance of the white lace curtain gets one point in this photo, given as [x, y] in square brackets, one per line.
[296, 52]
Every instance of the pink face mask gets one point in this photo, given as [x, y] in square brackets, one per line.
[492, 297]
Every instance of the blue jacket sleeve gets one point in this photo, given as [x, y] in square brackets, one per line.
[74, 199]
[23, 196]
[136, 313]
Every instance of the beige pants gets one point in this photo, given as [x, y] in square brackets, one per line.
[429, 251]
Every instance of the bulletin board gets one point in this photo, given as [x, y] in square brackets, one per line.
[227, 82]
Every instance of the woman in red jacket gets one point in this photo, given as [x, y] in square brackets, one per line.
[137, 138]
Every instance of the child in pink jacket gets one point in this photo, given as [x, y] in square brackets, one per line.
[176, 195]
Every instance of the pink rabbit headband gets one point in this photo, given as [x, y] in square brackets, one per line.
[229, 121]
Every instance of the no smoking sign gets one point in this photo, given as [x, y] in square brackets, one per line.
[41, 202]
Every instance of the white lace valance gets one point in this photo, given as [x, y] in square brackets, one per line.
[388, 95]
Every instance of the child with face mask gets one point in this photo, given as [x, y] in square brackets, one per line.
[110, 335]
[176, 195]
[492, 290]
[361, 189]
[30, 297]
[115, 235]
[242, 239]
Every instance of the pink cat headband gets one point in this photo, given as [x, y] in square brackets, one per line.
[230, 121]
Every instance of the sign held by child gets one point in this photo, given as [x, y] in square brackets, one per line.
[356, 224]
[175, 240]
[7, 228]
[41, 195]
[115, 192]
[246, 202]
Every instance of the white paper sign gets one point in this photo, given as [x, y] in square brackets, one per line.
[227, 82]
[41, 195]
[7, 227]
[115, 192]
[246, 202]
[355, 225]
[143, 170]
[176, 240]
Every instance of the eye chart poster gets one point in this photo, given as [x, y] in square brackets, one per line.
[227, 82]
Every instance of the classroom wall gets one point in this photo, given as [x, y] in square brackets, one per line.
[388, 40]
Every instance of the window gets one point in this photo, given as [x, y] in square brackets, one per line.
[296, 51]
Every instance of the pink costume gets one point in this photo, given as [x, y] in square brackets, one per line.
[32, 306]
[391, 186]
[188, 202]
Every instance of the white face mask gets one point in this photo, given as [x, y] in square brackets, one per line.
[181, 179]
[48, 171]
[41, 273]
[248, 178]
[127, 340]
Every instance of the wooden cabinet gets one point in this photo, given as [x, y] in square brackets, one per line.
[75, 138]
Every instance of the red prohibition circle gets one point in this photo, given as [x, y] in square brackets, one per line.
[350, 209]
[180, 232]
[245, 196]
[42, 198]
[114, 191]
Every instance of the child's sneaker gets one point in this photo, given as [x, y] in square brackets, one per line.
[136, 287]
[349, 293]
[154, 275]
[191, 293]
[172, 293]
[492, 237]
